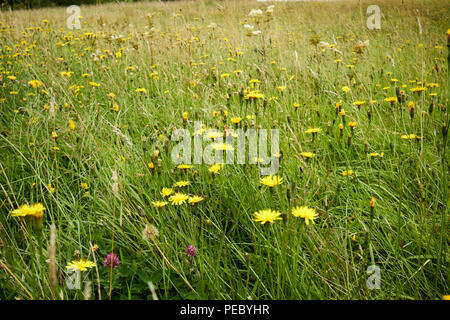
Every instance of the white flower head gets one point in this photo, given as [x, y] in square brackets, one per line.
[248, 27]
[255, 13]
[269, 10]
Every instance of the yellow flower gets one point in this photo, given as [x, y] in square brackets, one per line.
[178, 198]
[306, 213]
[34, 83]
[359, 103]
[141, 90]
[348, 173]
[36, 210]
[418, 89]
[307, 154]
[236, 120]
[352, 124]
[212, 134]
[159, 204]
[267, 215]
[281, 88]
[215, 168]
[222, 146]
[84, 185]
[271, 181]
[165, 192]
[345, 89]
[313, 130]
[81, 265]
[181, 184]
[195, 199]
[411, 137]
[71, 125]
[94, 84]
[391, 99]
[184, 166]
[66, 73]
[254, 95]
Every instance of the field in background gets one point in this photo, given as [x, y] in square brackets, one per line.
[86, 122]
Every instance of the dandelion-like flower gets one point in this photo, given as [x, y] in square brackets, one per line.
[306, 213]
[271, 181]
[165, 192]
[34, 83]
[313, 130]
[391, 99]
[359, 103]
[236, 120]
[267, 215]
[307, 154]
[182, 184]
[159, 204]
[35, 210]
[84, 186]
[215, 168]
[222, 146]
[178, 198]
[195, 199]
[82, 265]
[348, 173]
[184, 166]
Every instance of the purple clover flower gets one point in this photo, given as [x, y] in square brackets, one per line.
[190, 250]
[111, 259]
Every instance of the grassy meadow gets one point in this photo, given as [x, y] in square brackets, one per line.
[86, 122]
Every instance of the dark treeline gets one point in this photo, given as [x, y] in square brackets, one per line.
[32, 4]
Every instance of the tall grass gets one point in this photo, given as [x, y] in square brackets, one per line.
[181, 63]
